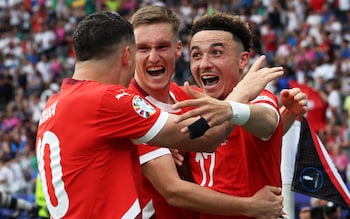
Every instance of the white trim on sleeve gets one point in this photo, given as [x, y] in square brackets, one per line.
[154, 130]
[153, 155]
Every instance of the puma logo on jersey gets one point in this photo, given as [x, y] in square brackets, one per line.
[118, 96]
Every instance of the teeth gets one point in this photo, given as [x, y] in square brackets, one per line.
[154, 68]
[207, 77]
[155, 71]
[210, 80]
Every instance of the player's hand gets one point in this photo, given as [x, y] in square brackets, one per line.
[294, 100]
[177, 156]
[254, 81]
[267, 203]
[214, 111]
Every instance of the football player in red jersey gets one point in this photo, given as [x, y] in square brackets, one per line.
[250, 157]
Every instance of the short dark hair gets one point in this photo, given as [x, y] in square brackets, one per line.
[331, 210]
[317, 212]
[225, 22]
[100, 34]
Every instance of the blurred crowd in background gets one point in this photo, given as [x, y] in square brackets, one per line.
[310, 38]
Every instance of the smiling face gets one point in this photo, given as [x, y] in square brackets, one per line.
[217, 62]
[157, 49]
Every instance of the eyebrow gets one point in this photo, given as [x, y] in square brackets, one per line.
[162, 43]
[212, 45]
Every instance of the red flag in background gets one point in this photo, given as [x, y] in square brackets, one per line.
[316, 114]
[315, 174]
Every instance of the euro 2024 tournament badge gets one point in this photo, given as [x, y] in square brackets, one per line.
[143, 108]
[311, 179]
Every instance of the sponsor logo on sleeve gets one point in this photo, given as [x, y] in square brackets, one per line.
[143, 108]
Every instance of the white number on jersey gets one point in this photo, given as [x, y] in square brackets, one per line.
[201, 157]
[49, 139]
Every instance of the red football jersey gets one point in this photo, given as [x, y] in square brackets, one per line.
[86, 154]
[151, 201]
[243, 163]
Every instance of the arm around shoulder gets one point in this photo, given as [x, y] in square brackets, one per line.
[162, 173]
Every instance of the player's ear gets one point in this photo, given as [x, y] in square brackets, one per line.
[127, 56]
[243, 60]
[179, 49]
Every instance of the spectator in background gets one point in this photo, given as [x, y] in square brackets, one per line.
[283, 51]
[346, 109]
[317, 212]
[324, 71]
[274, 20]
[6, 174]
[36, 106]
[333, 211]
[304, 213]
[10, 120]
[269, 42]
[35, 84]
[45, 39]
[344, 8]
[7, 86]
[44, 68]
[19, 182]
[284, 81]
[46, 94]
[292, 18]
[334, 100]
[182, 69]
[340, 160]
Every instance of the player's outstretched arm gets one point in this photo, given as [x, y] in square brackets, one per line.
[248, 89]
[174, 135]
